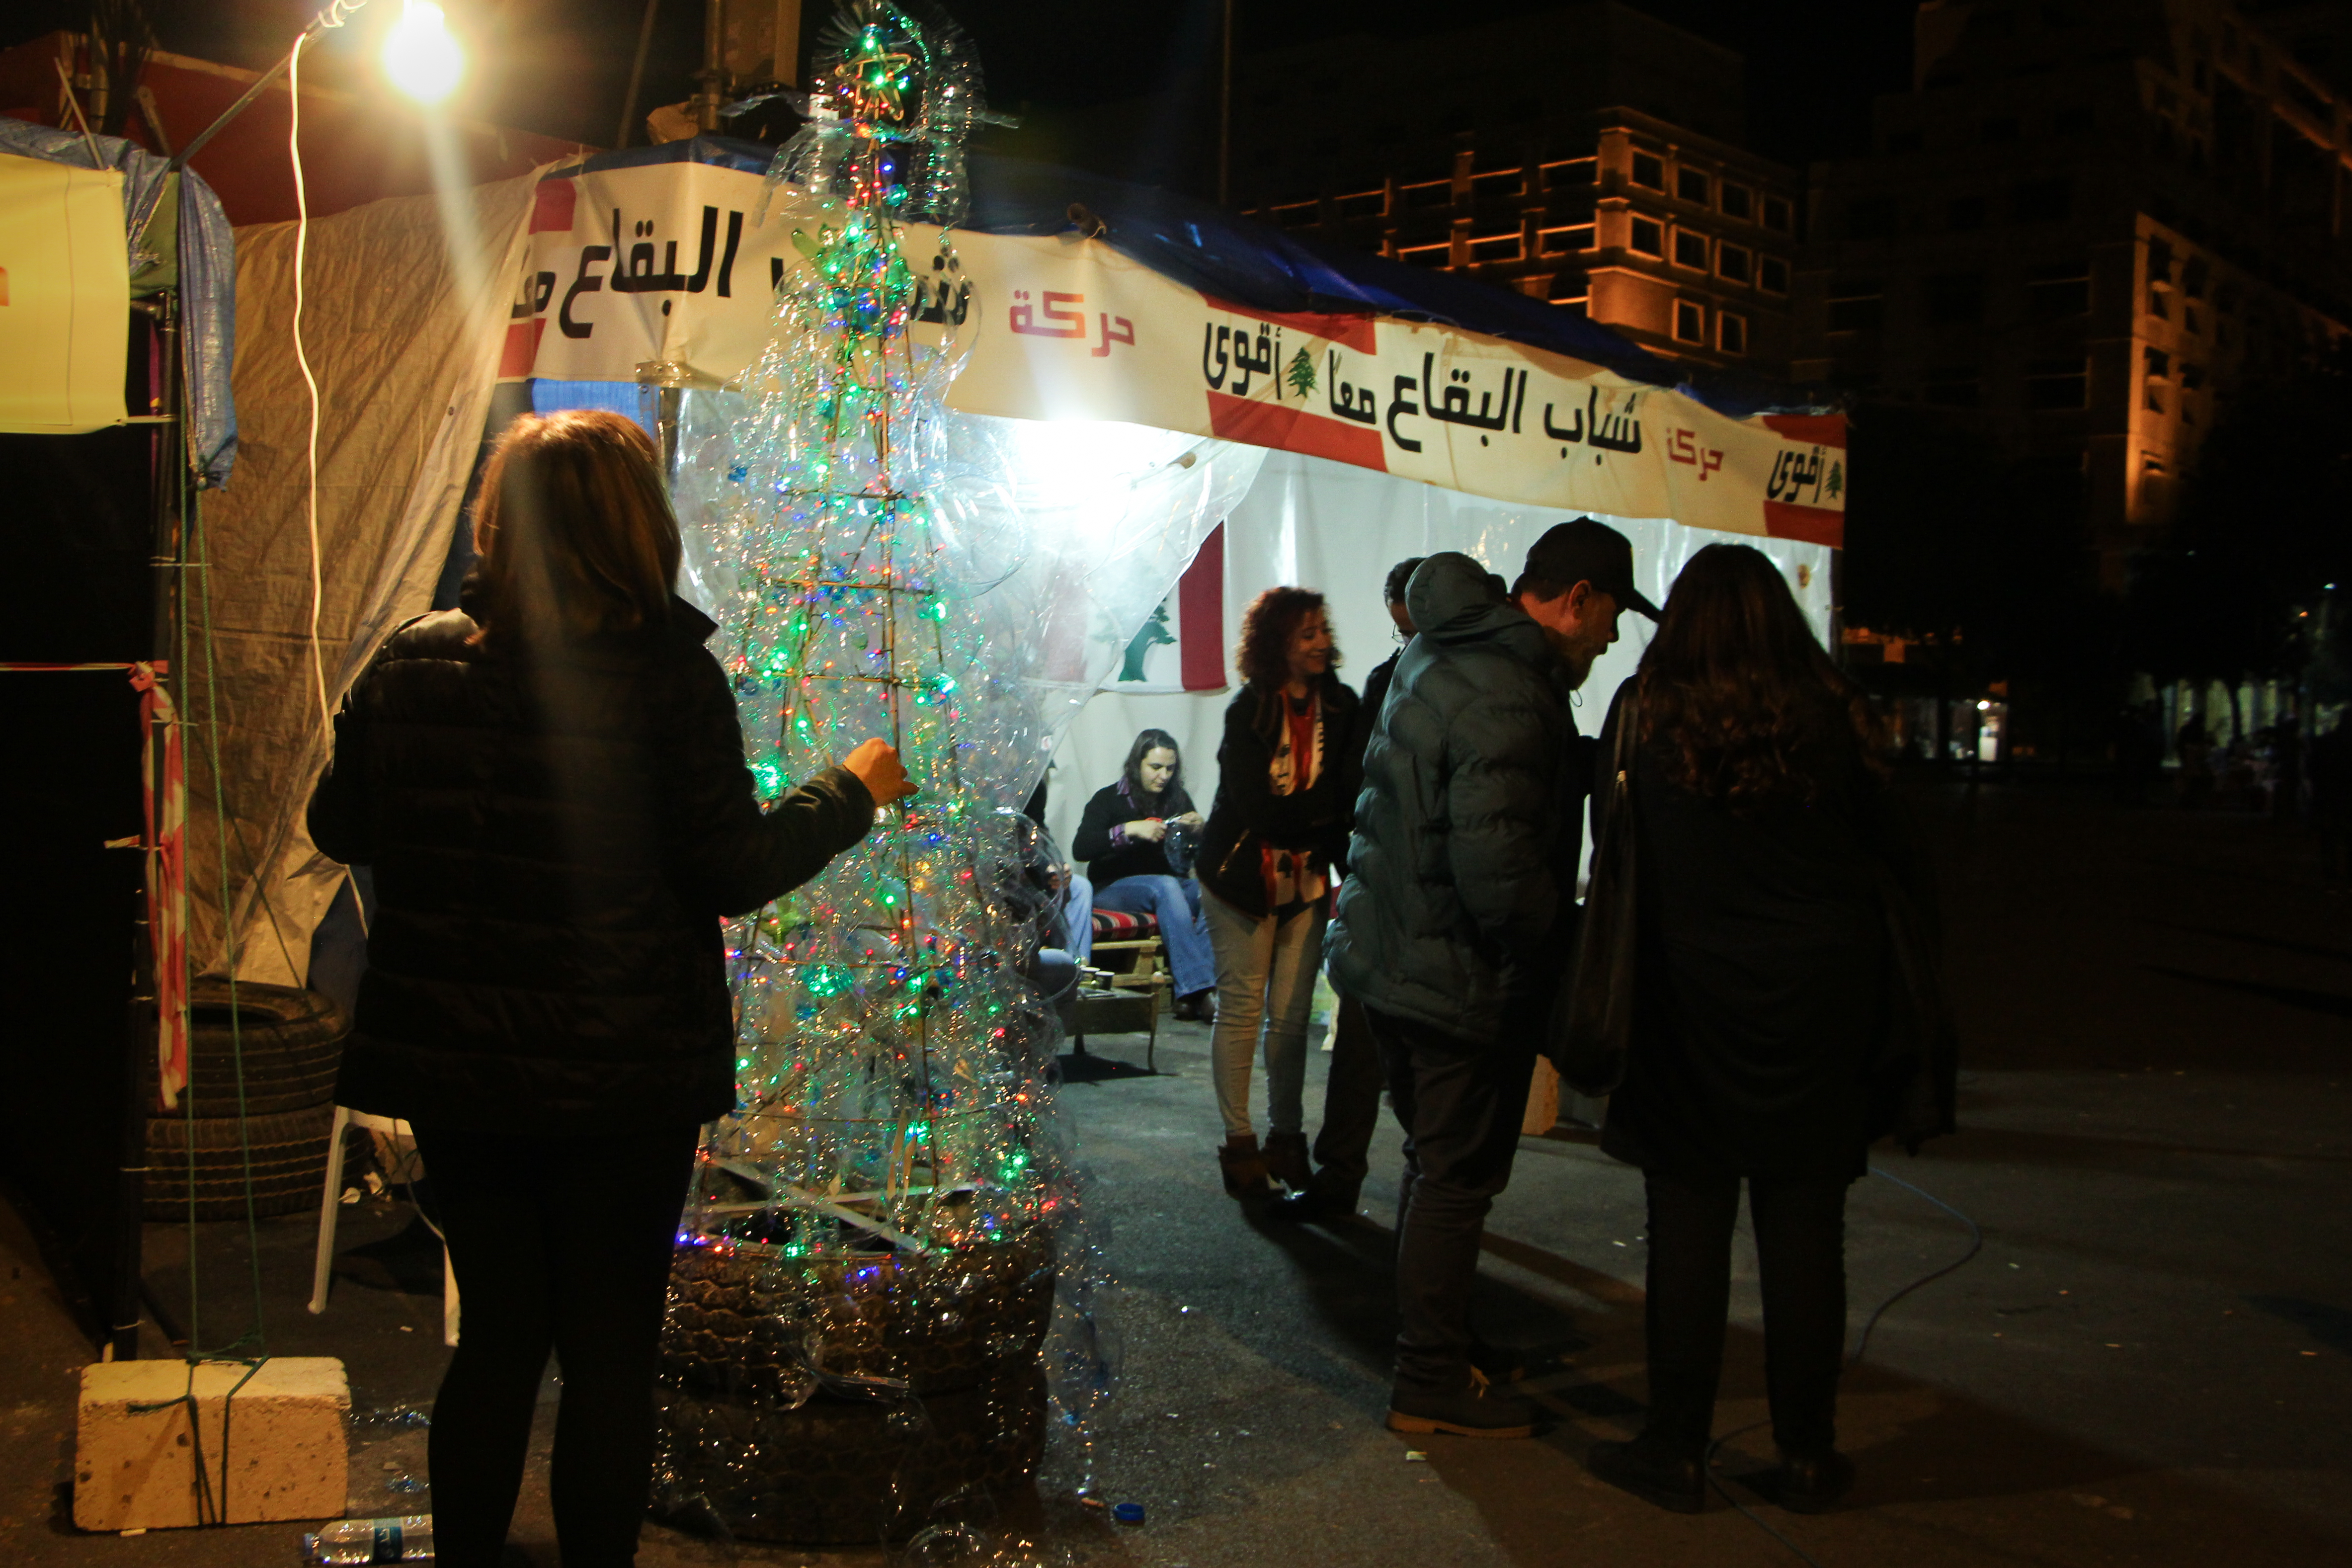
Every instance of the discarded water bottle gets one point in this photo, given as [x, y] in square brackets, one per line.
[351, 1541]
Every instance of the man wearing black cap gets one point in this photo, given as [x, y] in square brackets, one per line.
[1457, 918]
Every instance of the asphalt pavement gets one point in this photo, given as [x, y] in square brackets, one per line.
[2145, 1361]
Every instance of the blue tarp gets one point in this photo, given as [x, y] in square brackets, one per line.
[1203, 246]
[207, 273]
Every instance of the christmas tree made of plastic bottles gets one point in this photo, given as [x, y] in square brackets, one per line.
[868, 1268]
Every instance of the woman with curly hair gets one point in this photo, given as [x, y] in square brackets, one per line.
[1765, 839]
[1287, 771]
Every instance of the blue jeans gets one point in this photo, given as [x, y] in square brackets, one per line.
[1176, 905]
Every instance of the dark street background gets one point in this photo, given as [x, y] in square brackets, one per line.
[2147, 1363]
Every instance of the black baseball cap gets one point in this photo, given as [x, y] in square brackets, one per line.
[1585, 550]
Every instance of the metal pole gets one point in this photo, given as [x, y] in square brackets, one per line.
[636, 75]
[1225, 116]
[318, 24]
[714, 63]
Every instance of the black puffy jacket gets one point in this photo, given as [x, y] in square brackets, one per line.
[1466, 831]
[554, 844]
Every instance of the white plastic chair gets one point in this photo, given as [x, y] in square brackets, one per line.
[330, 1203]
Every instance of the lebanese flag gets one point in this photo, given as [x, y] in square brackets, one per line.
[1180, 647]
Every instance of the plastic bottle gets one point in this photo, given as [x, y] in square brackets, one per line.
[352, 1541]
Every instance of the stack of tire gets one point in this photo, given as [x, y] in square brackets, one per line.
[290, 1042]
[754, 1443]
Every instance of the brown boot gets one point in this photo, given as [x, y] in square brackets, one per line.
[1287, 1162]
[1244, 1168]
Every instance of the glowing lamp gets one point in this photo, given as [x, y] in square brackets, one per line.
[420, 56]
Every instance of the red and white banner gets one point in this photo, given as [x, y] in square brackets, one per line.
[661, 271]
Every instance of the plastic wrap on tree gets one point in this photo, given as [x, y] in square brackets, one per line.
[884, 1236]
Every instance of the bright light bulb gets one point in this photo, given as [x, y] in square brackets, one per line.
[423, 61]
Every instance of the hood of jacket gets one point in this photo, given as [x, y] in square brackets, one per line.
[1454, 601]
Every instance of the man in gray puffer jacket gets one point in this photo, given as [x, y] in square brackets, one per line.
[1450, 925]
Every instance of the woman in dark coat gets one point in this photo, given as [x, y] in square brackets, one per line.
[1761, 971]
[1123, 839]
[550, 783]
[1286, 776]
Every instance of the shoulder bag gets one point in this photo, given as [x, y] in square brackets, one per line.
[1591, 1027]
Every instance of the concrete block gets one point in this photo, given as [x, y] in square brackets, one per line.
[278, 1450]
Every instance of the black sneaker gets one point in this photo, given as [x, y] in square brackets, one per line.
[1652, 1472]
[1474, 1410]
[1316, 1205]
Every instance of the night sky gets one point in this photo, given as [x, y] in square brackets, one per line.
[562, 66]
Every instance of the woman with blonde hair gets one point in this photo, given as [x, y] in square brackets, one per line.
[550, 784]
[1286, 784]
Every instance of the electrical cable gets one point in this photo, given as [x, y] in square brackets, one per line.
[1853, 1358]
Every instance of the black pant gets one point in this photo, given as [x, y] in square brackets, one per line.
[1460, 1105]
[1352, 1107]
[562, 1244]
[1801, 1258]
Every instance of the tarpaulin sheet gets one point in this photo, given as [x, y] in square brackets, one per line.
[206, 276]
[401, 307]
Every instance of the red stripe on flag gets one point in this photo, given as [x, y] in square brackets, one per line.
[1284, 429]
[1813, 430]
[1348, 331]
[520, 354]
[551, 206]
[1200, 617]
[1812, 524]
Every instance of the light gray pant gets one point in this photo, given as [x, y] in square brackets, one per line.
[1266, 980]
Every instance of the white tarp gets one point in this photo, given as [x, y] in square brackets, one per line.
[1338, 529]
[402, 300]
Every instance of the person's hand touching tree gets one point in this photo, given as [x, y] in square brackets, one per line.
[875, 763]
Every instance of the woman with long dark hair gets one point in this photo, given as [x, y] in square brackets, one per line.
[1763, 839]
[1124, 839]
[1286, 776]
[550, 783]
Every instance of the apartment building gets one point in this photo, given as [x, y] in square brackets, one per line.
[2086, 225]
[1588, 157]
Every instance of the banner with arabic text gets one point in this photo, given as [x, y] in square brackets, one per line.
[667, 272]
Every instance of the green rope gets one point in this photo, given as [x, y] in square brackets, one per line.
[255, 1337]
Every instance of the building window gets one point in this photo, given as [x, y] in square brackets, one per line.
[2042, 201]
[1428, 194]
[1779, 214]
[1953, 386]
[2159, 364]
[1737, 202]
[1496, 248]
[1647, 237]
[1364, 205]
[1426, 254]
[1731, 332]
[2153, 398]
[1566, 241]
[1649, 170]
[2057, 384]
[1869, 217]
[2058, 291]
[1954, 298]
[1965, 212]
[1576, 171]
[1690, 321]
[1690, 249]
[1735, 262]
[1772, 274]
[1692, 185]
[1856, 307]
[2193, 278]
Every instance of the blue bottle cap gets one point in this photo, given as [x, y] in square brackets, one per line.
[1128, 1512]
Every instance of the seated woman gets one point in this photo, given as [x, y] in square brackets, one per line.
[1123, 839]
